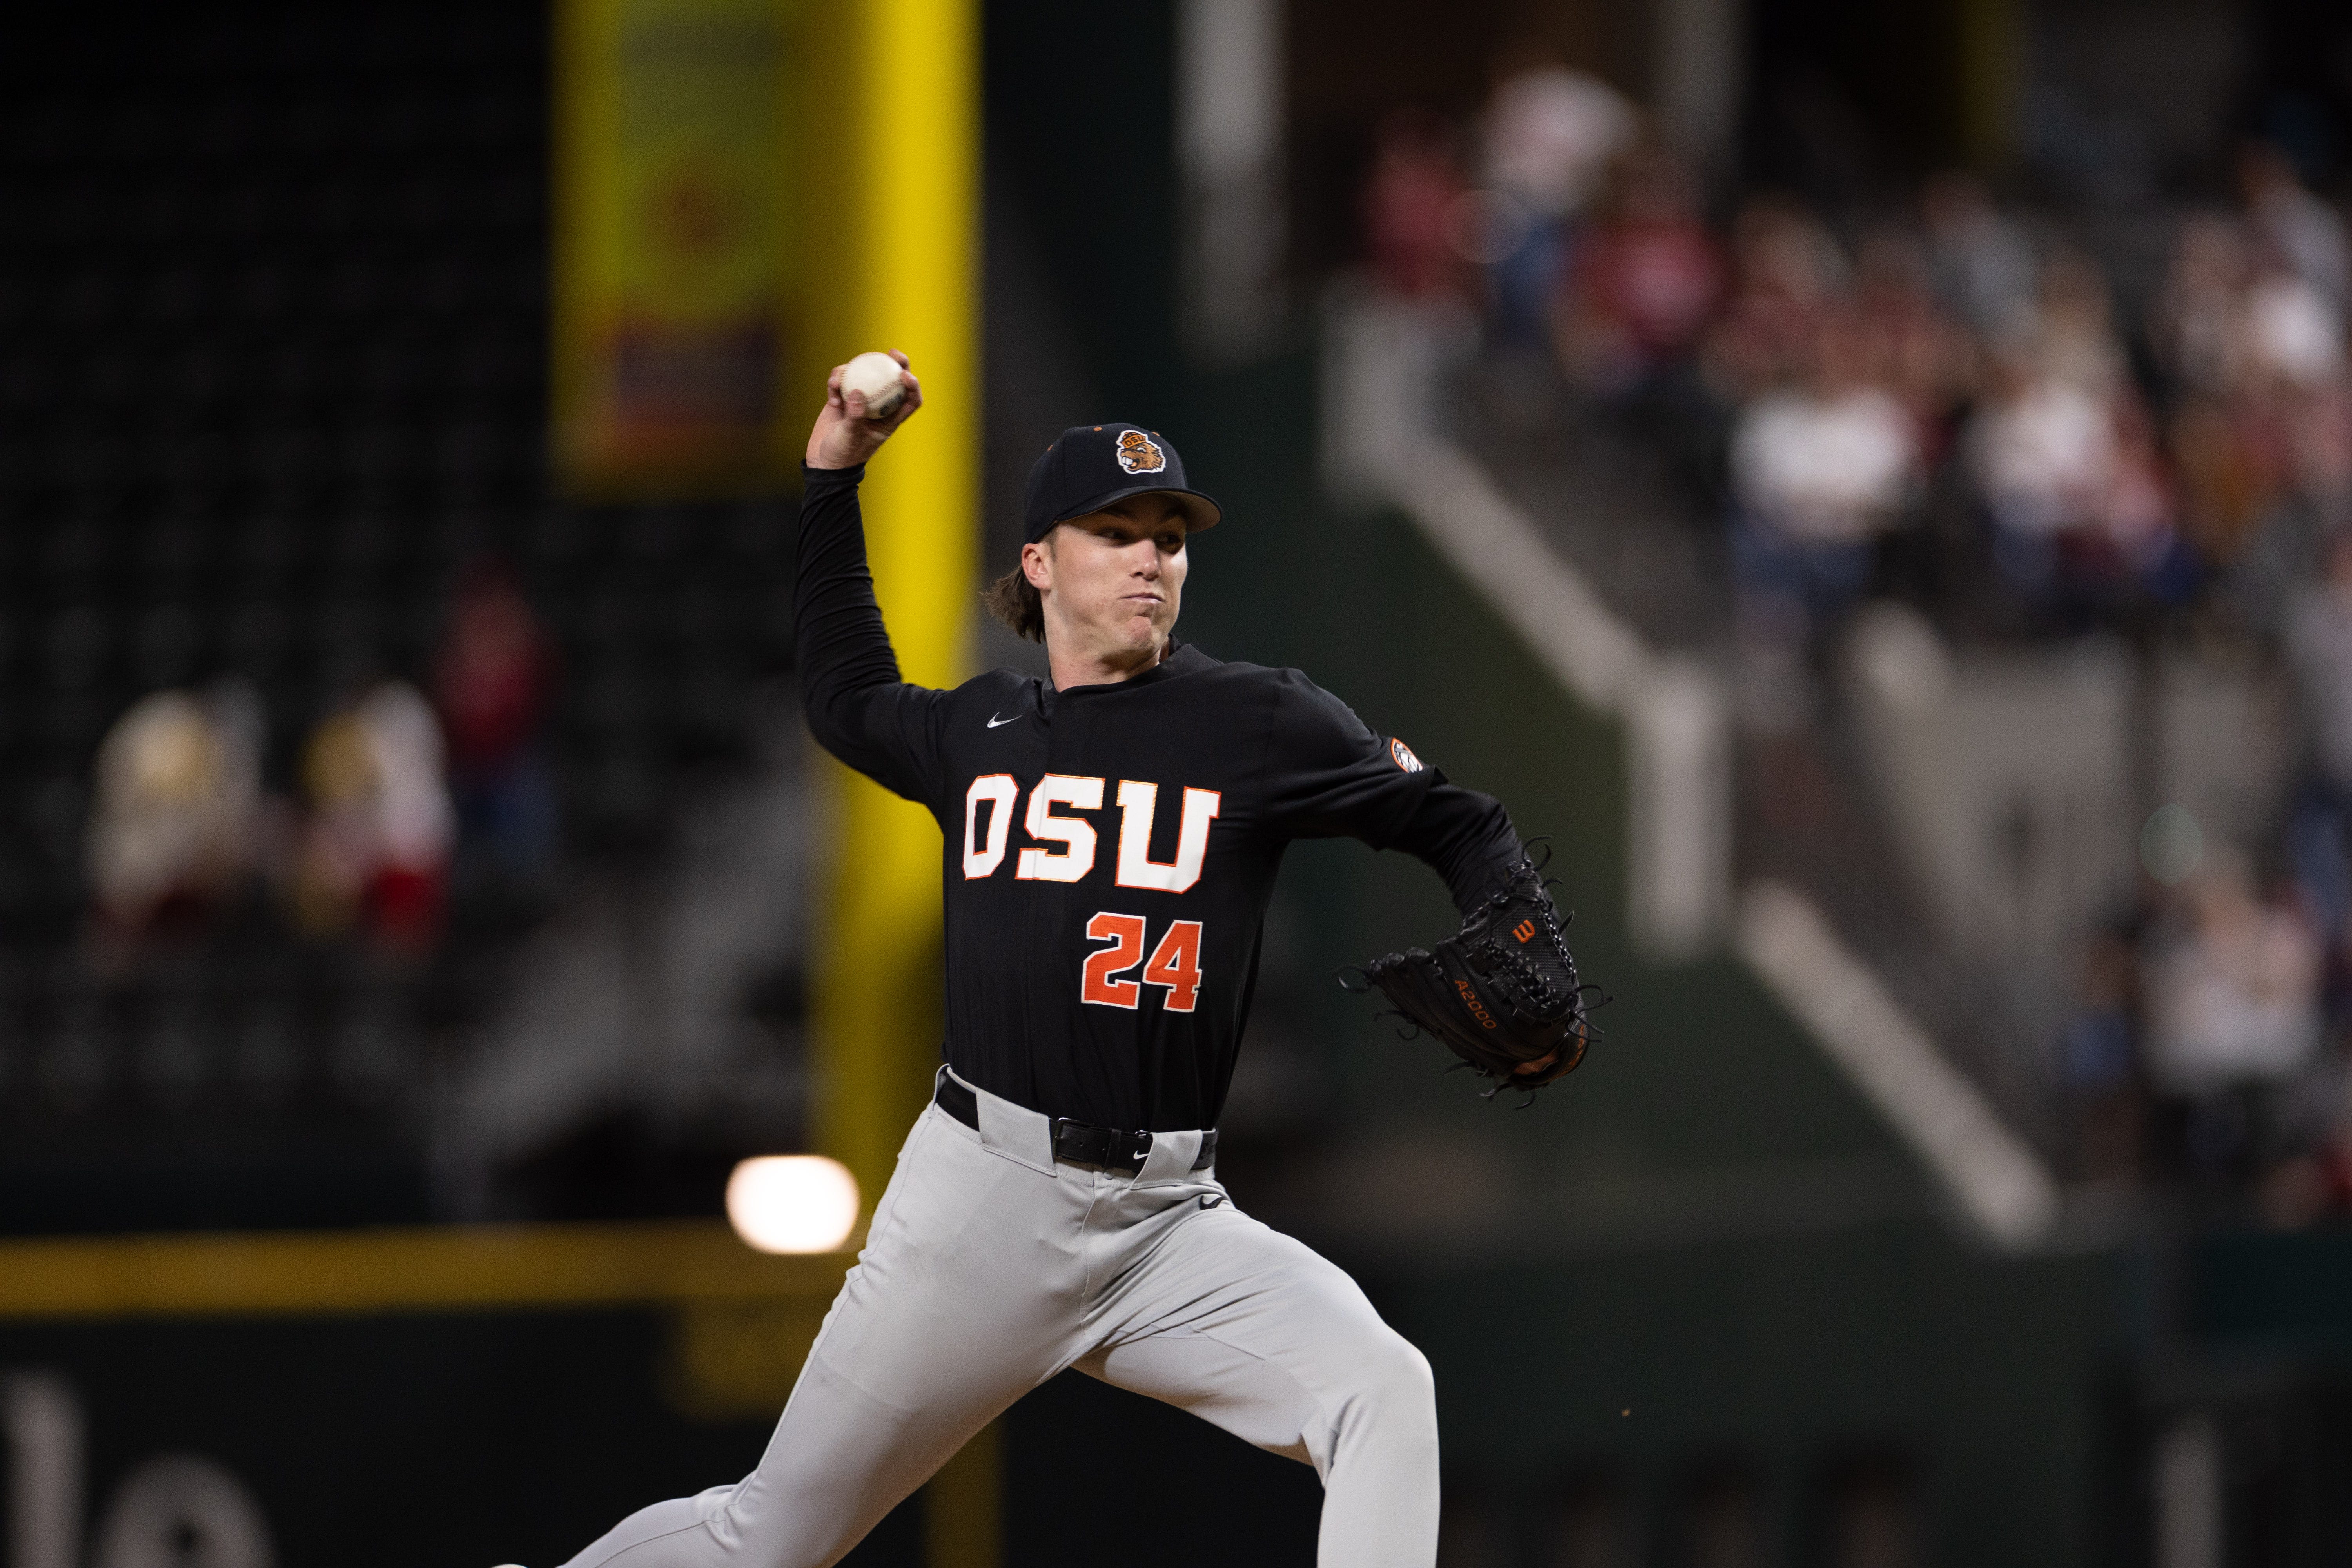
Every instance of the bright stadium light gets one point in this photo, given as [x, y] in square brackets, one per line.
[793, 1203]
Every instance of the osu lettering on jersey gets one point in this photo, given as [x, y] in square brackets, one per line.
[1109, 851]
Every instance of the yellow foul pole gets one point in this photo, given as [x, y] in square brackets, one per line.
[899, 271]
[897, 156]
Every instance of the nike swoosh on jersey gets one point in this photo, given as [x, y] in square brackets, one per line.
[993, 721]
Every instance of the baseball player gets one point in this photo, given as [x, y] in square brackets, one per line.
[1112, 836]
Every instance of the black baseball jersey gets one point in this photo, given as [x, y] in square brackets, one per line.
[1109, 851]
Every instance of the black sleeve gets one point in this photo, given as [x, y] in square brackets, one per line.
[1466, 837]
[857, 707]
[1328, 776]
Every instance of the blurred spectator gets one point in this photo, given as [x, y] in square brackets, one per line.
[2220, 440]
[2301, 233]
[2331, 1160]
[1817, 470]
[2292, 333]
[2315, 1175]
[1644, 283]
[2234, 1003]
[2086, 522]
[173, 825]
[1981, 261]
[2319, 444]
[2081, 511]
[2070, 332]
[377, 845]
[490, 683]
[2319, 650]
[1547, 135]
[2289, 546]
[2098, 1064]
[1787, 272]
[2196, 324]
[1918, 352]
[2250, 326]
[2228, 455]
[1411, 206]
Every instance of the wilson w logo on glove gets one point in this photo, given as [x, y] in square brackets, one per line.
[1515, 1013]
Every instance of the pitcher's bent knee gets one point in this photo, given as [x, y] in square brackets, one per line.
[1393, 1387]
[1381, 1489]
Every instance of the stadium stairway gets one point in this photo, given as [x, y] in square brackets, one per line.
[662, 1006]
[1586, 551]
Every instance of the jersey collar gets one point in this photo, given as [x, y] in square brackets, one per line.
[1183, 659]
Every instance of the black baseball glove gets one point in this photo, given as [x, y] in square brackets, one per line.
[1502, 993]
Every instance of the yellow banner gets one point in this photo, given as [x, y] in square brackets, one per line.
[675, 241]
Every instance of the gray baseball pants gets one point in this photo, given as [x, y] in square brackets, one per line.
[990, 1269]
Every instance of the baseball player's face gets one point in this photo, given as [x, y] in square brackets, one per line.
[1113, 581]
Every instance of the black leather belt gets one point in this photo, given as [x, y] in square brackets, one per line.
[1112, 1147]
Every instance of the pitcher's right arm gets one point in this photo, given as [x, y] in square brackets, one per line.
[857, 707]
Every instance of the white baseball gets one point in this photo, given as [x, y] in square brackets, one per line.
[877, 375]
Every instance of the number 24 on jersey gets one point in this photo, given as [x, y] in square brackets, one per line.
[1174, 964]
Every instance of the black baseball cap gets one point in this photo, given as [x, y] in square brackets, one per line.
[1090, 467]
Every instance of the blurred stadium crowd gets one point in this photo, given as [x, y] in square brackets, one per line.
[391, 786]
[1977, 407]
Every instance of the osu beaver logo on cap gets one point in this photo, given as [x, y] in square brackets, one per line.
[1137, 454]
[1402, 754]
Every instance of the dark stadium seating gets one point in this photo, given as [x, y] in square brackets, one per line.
[273, 353]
